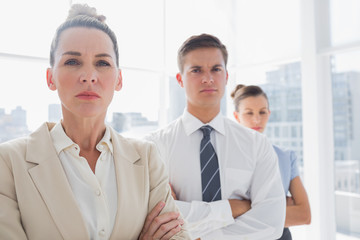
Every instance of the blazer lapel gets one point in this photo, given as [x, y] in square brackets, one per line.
[130, 178]
[52, 184]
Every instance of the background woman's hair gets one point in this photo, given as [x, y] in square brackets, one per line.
[241, 92]
[82, 15]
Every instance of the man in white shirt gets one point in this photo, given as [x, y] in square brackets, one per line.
[225, 178]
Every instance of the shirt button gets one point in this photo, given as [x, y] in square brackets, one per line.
[98, 192]
[102, 233]
[76, 148]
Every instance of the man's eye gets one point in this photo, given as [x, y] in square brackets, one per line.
[195, 70]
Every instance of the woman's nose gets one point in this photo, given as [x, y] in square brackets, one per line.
[89, 75]
[256, 118]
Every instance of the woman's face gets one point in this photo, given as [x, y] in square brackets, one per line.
[84, 72]
[253, 113]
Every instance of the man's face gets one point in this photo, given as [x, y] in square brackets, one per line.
[204, 78]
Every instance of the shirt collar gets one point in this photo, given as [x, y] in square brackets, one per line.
[61, 141]
[192, 124]
[106, 141]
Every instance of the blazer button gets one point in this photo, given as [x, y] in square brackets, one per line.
[102, 233]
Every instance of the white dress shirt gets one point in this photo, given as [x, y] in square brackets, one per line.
[95, 194]
[248, 170]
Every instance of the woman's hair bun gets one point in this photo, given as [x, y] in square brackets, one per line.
[84, 9]
[239, 86]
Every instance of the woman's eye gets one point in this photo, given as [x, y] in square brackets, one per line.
[249, 113]
[72, 62]
[102, 63]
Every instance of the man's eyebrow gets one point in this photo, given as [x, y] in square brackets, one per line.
[218, 65]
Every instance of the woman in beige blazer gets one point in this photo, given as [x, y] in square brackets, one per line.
[79, 179]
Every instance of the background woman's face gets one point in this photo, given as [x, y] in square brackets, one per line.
[85, 72]
[253, 113]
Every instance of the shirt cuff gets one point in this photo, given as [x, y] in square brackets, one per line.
[215, 215]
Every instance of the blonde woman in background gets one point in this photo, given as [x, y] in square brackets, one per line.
[252, 111]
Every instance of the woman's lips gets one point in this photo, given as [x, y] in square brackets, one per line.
[87, 95]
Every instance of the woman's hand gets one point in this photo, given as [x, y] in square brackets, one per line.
[162, 226]
[290, 201]
[239, 207]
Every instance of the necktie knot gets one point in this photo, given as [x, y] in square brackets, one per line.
[206, 129]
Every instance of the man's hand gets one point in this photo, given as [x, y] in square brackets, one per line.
[239, 207]
[162, 226]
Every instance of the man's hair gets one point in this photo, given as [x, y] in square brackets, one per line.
[200, 41]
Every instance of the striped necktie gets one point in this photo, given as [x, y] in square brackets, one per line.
[210, 175]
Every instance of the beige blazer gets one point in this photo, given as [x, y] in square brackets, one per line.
[36, 201]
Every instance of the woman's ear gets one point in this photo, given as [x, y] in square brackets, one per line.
[236, 115]
[118, 85]
[50, 80]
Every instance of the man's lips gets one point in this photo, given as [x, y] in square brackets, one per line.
[256, 128]
[208, 90]
[88, 95]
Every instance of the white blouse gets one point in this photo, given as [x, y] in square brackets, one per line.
[95, 194]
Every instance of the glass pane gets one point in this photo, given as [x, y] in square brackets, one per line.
[282, 84]
[269, 32]
[345, 21]
[134, 110]
[27, 27]
[346, 114]
[24, 93]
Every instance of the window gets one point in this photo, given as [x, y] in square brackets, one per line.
[345, 21]
[293, 131]
[346, 110]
